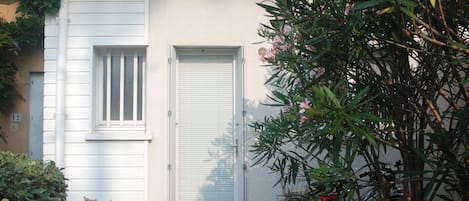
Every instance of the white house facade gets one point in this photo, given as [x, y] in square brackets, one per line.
[152, 99]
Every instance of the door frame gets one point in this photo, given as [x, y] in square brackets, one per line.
[238, 109]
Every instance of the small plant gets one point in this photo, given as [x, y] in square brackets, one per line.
[23, 178]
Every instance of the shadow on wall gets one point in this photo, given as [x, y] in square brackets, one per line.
[220, 182]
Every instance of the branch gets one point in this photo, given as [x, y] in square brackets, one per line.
[437, 42]
[435, 112]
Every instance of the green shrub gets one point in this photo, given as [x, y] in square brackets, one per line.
[23, 178]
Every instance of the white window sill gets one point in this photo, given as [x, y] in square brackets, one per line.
[119, 136]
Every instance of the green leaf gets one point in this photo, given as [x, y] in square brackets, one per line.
[433, 2]
[408, 3]
[367, 4]
[445, 197]
[331, 96]
[38, 191]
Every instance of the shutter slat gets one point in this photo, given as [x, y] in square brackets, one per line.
[205, 97]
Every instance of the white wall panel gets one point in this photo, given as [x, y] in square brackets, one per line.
[49, 113]
[50, 20]
[78, 65]
[80, 113]
[49, 89]
[108, 195]
[106, 0]
[77, 101]
[106, 30]
[86, 42]
[106, 7]
[48, 158]
[50, 54]
[205, 23]
[49, 66]
[49, 149]
[73, 89]
[75, 77]
[49, 138]
[70, 137]
[104, 172]
[93, 185]
[50, 30]
[49, 101]
[101, 148]
[49, 125]
[107, 18]
[49, 78]
[78, 54]
[50, 42]
[77, 125]
[93, 161]
[77, 113]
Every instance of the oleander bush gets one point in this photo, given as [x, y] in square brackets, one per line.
[23, 178]
[362, 83]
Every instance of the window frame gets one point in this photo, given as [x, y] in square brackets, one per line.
[106, 129]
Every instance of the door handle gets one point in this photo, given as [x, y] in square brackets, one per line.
[235, 147]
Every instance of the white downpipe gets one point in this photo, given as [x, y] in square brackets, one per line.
[60, 82]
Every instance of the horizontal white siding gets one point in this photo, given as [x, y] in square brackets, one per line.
[107, 19]
[72, 77]
[94, 185]
[106, 7]
[106, 30]
[104, 173]
[100, 148]
[107, 195]
[103, 170]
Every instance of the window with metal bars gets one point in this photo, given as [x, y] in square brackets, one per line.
[120, 90]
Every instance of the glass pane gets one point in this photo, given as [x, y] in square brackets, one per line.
[129, 88]
[140, 88]
[115, 87]
[104, 87]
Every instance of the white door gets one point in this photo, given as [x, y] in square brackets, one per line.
[36, 92]
[206, 135]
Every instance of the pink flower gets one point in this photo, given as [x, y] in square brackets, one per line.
[322, 8]
[279, 39]
[319, 72]
[279, 43]
[305, 104]
[347, 9]
[284, 47]
[270, 54]
[287, 107]
[303, 119]
[286, 29]
[262, 58]
[297, 81]
[262, 51]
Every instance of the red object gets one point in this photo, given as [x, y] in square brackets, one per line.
[328, 197]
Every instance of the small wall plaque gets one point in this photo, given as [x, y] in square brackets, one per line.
[15, 117]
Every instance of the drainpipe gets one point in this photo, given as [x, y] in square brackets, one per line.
[60, 84]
